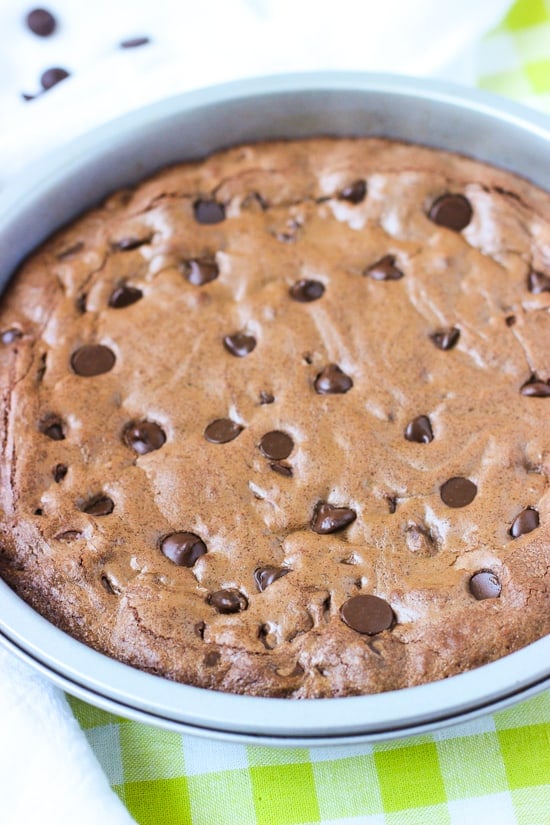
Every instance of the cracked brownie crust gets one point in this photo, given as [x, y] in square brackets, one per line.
[277, 422]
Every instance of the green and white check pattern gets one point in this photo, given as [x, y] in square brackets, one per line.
[495, 770]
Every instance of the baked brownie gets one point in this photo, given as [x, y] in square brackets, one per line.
[278, 422]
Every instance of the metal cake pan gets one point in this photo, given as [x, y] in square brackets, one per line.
[189, 126]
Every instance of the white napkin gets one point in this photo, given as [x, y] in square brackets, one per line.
[48, 773]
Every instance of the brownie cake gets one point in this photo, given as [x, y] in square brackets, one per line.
[278, 422]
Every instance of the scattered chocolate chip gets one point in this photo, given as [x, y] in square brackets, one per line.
[305, 291]
[51, 77]
[329, 519]
[39, 511]
[183, 548]
[228, 601]
[264, 576]
[332, 380]
[59, 472]
[70, 251]
[10, 335]
[536, 388]
[445, 338]
[266, 397]
[276, 445]
[92, 359]
[281, 469]
[538, 282]
[222, 430]
[208, 211]
[354, 193]
[212, 659]
[510, 320]
[485, 585]
[524, 522]
[201, 271]
[452, 211]
[367, 614]
[130, 243]
[384, 269]
[134, 42]
[99, 506]
[419, 430]
[124, 296]
[239, 344]
[143, 436]
[458, 492]
[41, 22]
[52, 426]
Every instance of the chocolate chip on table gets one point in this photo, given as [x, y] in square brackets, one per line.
[332, 380]
[239, 344]
[453, 211]
[99, 506]
[445, 339]
[92, 359]
[228, 601]
[208, 211]
[524, 522]
[264, 576]
[384, 269]
[485, 585]
[143, 436]
[222, 430]
[59, 472]
[52, 426]
[355, 192]
[305, 291]
[183, 548]
[536, 388]
[282, 469]
[419, 430]
[367, 614]
[329, 519]
[276, 445]
[134, 42]
[124, 296]
[51, 77]
[8, 336]
[458, 492]
[41, 22]
[538, 282]
[200, 271]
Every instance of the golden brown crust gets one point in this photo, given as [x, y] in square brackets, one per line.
[104, 578]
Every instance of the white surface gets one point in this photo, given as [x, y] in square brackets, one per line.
[47, 771]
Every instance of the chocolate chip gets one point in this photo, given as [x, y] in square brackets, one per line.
[367, 614]
[99, 506]
[134, 42]
[239, 344]
[208, 211]
[281, 469]
[445, 338]
[52, 426]
[355, 192]
[124, 296]
[266, 397]
[70, 251]
[264, 576]
[222, 430]
[92, 359]
[306, 291]
[452, 211]
[41, 22]
[485, 585]
[458, 492]
[59, 472]
[130, 243]
[51, 77]
[330, 519]
[183, 548]
[419, 430]
[510, 320]
[384, 269]
[332, 380]
[228, 601]
[538, 282]
[524, 522]
[201, 271]
[10, 335]
[276, 445]
[536, 388]
[143, 436]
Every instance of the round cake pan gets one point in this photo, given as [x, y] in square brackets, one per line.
[189, 126]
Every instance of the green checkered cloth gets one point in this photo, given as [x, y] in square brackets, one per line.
[493, 770]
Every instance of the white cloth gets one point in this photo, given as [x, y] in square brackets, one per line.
[48, 773]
